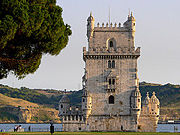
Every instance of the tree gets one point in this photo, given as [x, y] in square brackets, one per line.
[29, 29]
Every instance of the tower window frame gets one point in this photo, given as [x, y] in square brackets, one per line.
[110, 81]
[111, 99]
[113, 81]
[111, 44]
[111, 64]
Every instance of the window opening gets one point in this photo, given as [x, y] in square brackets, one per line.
[109, 64]
[69, 118]
[65, 118]
[113, 81]
[109, 81]
[61, 106]
[113, 64]
[76, 117]
[111, 99]
[111, 44]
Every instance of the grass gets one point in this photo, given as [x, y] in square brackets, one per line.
[90, 133]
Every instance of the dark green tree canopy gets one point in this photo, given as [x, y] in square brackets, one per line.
[29, 29]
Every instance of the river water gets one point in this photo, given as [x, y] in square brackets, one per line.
[58, 127]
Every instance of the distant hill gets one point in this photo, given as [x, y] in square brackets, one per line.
[19, 110]
[168, 94]
[45, 97]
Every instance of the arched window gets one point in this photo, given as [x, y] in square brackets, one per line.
[109, 81]
[111, 44]
[113, 64]
[61, 106]
[113, 81]
[111, 99]
[109, 64]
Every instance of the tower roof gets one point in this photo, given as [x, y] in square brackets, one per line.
[64, 99]
[131, 17]
[90, 18]
[154, 99]
[147, 99]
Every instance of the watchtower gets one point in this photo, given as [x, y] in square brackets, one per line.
[111, 70]
[111, 99]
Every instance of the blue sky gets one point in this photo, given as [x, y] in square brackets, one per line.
[157, 33]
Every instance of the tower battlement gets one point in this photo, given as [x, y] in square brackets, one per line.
[111, 27]
[118, 51]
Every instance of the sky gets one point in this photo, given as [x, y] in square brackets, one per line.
[157, 33]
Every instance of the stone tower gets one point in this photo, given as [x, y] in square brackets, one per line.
[111, 65]
[64, 105]
[111, 99]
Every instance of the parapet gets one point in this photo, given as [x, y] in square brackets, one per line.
[118, 51]
[111, 27]
[73, 119]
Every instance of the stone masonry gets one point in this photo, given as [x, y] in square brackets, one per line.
[111, 98]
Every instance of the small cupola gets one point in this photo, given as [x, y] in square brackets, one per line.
[90, 18]
[147, 99]
[64, 99]
[154, 99]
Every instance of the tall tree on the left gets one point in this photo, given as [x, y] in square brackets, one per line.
[29, 29]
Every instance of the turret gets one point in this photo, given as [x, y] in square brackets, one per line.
[130, 25]
[86, 104]
[155, 105]
[90, 26]
[136, 103]
[64, 105]
[146, 104]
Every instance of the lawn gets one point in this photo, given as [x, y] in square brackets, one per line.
[89, 133]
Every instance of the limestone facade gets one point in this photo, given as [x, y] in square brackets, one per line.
[111, 98]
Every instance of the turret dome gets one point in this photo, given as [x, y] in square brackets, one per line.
[90, 18]
[64, 99]
[147, 99]
[154, 99]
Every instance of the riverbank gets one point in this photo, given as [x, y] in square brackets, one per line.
[90, 133]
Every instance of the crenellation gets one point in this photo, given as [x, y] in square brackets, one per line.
[117, 51]
[102, 25]
[97, 24]
[115, 25]
[111, 99]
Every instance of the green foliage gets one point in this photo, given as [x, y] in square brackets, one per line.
[26, 94]
[7, 116]
[29, 29]
[168, 94]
